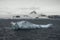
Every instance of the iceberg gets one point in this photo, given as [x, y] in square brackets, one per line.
[28, 25]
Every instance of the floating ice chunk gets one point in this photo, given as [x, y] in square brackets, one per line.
[46, 26]
[13, 23]
[28, 25]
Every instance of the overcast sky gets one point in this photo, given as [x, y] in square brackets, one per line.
[14, 6]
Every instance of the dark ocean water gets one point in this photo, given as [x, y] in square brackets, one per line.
[51, 33]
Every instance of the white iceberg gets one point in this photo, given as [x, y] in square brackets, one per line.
[28, 25]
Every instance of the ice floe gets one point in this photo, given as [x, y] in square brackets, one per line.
[28, 25]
